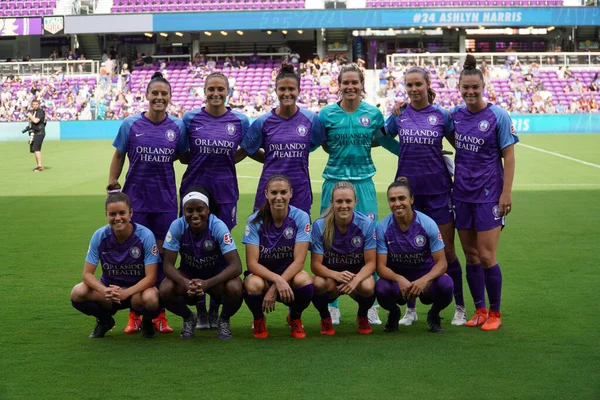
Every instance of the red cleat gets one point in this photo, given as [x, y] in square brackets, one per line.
[364, 326]
[162, 324]
[260, 328]
[134, 323]
[327, 327]
[296, 327]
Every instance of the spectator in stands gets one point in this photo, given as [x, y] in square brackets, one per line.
[595, 84]
[574, 106]
[80, 66]
[163, 70]
[568, 72]
[125, 77]
[110, 66]
[593, 105]
[560, 73]
[104, 76]
[93, 106]
[584, 105]
[549, 107]
[147, 59]
[211, 64]
[139, 61]
[577, 87]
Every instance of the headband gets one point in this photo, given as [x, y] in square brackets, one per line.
[114, 191]
[195, 196]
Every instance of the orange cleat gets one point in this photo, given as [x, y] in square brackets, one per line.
[296, 327]
[327, 327]
[162, 324]
[134, 323]
[364, 327]
[493, 322]
[260, 328]
[481, 315]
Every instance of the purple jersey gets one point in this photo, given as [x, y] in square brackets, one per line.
[123, 263]
[287, 143]
[409, 252]
[347, 252]
[480, 139]
[151, 149]
[213, 143]
[276, 244]
[420, 133]
[202, 255]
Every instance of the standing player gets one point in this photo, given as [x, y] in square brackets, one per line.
[276, 239]
[287, 134]
[421, 128]
[128, 254]
[209, 263]
[215, 132]
[152, 141]
[482, 194]
[410, 259]
[343, 257]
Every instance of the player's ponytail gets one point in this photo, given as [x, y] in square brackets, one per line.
[264, 213]
[329, 217]
[287, 71]
[470, 68]
[114, 195]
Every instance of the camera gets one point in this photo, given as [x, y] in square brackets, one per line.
[27, 129]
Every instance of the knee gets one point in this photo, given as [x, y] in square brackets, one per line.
[79, 292]
[367, 287]
[471, 255]
[150, 298]
[302, 278]
[321, 285]
[487, 258]
[233, 287]
[254, 285]
[166, 288]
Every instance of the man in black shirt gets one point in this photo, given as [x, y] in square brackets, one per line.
[37, 122]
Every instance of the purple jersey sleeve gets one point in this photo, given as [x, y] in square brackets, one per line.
[433, 232]
[183, 144]
[251, 232]
[504, 126]
[380, 233]
[173, 239]
[150, 248]
[302, 222]
[222, 235]
[391, 126]
[317, 237]
[253, 140]
[367, 226]
[243, 121]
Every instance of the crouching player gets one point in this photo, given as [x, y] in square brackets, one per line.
[129, 256]
[209, 263]
[343, 257]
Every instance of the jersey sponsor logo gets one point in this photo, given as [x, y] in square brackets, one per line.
[170, 135]
[302, 131]
[135, 252]
[364, 120]
[419, 240]
[371, 215]
[496, 212]
[155, 250]
[227, 238]
[230, 128]
[483, 126]
[432, 119]
[307, 228]
[288, 233]
[357, 241]
[169, 237]
[208, 245]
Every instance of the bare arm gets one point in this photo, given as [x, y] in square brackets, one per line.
[90, 280]
[505, 202]
[240, 154]
[150, 270]
[116, 166]
[439, 268]
[233, 269]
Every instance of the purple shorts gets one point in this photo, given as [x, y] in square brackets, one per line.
[158, 223]
[478, 216]
[228, 214]
[436, 206]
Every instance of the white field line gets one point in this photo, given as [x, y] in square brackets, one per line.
[589, 164]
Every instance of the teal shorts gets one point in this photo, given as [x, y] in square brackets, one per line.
[365, 192]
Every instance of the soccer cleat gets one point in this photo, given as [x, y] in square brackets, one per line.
[460, 316]
[213, 317]
[392, 322]
[102, 328]
[224, 329]
[364, 327]
[187, 330]
[435, 322]
[335, 315]
[410, 317]
[134, 323]
[203, 322]
[162, 324]
[493, 322]
[327, 327]
[260, 328]
[148, 331]
[38, 169]
[296, 327]
[374, 316]
[481, 315]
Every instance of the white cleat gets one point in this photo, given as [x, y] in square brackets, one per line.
[460, 316]
[409, 317]
[374, 316]
[335, 315]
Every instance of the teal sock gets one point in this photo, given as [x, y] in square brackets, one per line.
[334, 304]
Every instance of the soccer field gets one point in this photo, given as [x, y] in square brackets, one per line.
[548, 347]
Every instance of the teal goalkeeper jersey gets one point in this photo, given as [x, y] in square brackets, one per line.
[349, 138]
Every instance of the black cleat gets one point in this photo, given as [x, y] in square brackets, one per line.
[435, 322]
[148, 331]
[392, 322]
[102, 328]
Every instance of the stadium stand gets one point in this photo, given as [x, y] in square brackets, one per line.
[462, 3]
[140, 6]
[15, 8]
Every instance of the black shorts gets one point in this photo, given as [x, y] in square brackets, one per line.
[36, 145]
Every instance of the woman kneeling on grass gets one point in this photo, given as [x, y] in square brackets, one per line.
[276, 239]
[128, 255]
[343, 257]
[209, 263]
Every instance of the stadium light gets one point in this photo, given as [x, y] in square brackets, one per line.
[240, 33]
[224, 33]
[179, 34]
[163, 34]
[207, 33]
[284, 32]
[300, 31]
[550, 28]
[148, 34]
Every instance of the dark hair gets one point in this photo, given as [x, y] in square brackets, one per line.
[158, 77]
[470, 68]
[418, 70]
[217, 74]
[402, 181]
[213, 207]
[287, 71]
[264, 212]
[352, 68]
[115, 195]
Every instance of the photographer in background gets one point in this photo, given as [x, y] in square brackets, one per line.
[37, 127]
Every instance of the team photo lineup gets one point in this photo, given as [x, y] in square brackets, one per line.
[158, 253]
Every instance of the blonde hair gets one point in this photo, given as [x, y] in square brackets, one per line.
[329, 217]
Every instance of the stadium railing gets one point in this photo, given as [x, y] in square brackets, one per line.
[47, 68]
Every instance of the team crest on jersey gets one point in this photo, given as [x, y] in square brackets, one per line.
[419, 240]
[432, 119]
[170, 134]
[302, 131]
[208, 245]
[135, 252]
[496, 211]
[371, 215]
[288, 233]
[230, 129]
[484, 126]
[364, 120]
[227, 238]
[357, 241]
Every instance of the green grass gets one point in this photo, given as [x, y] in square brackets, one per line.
[547, 348]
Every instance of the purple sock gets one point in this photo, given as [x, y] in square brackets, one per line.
[178, 307]
[254, 303]
[412, 303]
[91, 308]
[493, 284]
[201, 304]
[230, 307]
[441, 288]
[476, 283]
[321, 303]
[364, 303]
[455, 272]
[387, 293]
[302, 298]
